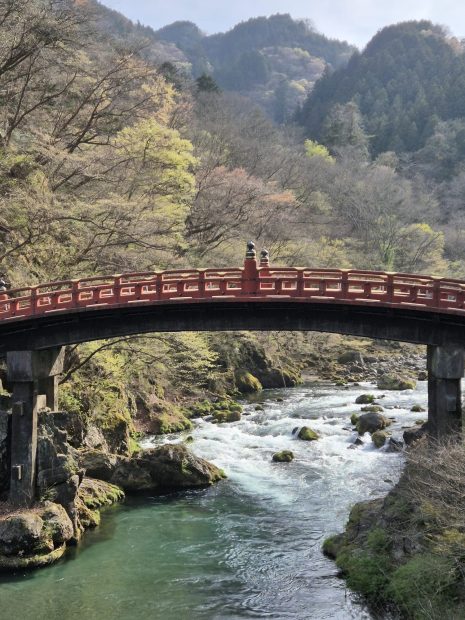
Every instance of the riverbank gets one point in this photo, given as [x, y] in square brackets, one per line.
[405, 552]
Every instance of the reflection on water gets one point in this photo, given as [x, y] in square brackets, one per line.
[248, 548]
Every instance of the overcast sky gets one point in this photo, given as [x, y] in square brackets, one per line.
[353, 20]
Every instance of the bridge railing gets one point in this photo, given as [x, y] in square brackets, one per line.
[249, 283]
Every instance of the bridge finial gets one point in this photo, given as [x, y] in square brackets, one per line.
[264, 258]
[251, 253]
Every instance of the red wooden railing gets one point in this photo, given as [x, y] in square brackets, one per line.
[251, 283]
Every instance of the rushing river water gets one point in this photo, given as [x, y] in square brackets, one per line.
[250, 547]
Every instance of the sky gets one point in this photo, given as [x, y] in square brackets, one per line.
[355, 21]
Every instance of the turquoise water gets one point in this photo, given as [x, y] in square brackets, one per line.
[249, 547]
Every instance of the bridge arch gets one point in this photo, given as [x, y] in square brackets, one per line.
[36, 322]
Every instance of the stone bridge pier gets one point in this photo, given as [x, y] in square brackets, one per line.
[445, 371]
[33, 376]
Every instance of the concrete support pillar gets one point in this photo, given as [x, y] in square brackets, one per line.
[23, 444]
[49, 387]
[445, 370]
[30, 373]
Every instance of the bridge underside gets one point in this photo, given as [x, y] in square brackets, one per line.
[34, 351]
[406, 325]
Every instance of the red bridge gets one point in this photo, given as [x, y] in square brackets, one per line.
[36, 322]
[251, 283]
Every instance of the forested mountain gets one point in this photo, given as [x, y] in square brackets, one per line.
[275, 61]
[409, 77]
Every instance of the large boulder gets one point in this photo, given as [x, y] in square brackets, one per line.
[97, 463]
[171, 467]
[372, 422]
[246, 383]
[34, 537]
[395, 382]
[351, 357]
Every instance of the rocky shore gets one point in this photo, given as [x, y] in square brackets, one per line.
[74, 484]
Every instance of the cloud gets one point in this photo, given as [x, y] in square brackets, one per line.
[353, 20]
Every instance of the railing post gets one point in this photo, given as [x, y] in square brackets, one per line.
[390, 287]
[345, 284]
[300, 283]
[201, 283]
[250, 272]
[437, 293]
[33, 299]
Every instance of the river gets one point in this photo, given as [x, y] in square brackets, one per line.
[250, 547]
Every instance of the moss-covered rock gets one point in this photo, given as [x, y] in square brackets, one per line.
[98, 493]
[167, 418]
[285, 456]
[34, 537]
[307, 434]
[354, 419]
[226, 410]
[395, 382]
[372, 409]
[222, 416]
[372, 422]
[365, 399]
[379, 438]
[246, 383]
[171, 467]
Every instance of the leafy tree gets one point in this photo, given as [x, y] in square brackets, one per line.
[205, 83]
[313, 149]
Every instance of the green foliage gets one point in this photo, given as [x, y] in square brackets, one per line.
[313, 149]
[425, 586]
[205, 83]
[409, 76]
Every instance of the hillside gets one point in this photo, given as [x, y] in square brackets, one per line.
[410, 76]
[275, 61]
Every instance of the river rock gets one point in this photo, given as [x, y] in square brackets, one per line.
[365, 399]
[415, 433]
[285, 456]
[417, 409]
[372, 422]
[394, 445]
[246, 383]
[351, 357]
[395, 382]
[308, 434]
[354, 419]
[372, 409]
[379, 438]
[230, 415]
